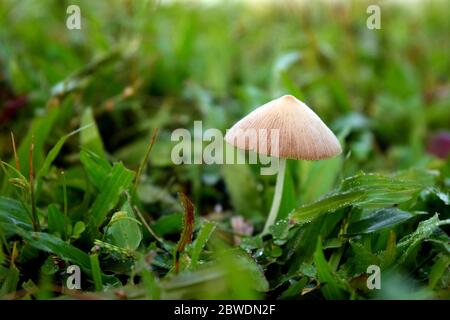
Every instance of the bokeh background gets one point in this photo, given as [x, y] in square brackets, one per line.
[145, 64]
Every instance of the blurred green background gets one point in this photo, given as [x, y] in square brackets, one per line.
[145, 64]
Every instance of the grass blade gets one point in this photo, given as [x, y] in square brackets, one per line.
[331, 287]
[96, 272]
[116, 182]
[203, 236]
[90, 138]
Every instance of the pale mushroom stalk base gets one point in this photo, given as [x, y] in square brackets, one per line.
[277, 197]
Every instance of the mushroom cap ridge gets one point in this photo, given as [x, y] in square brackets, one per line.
[302, 134]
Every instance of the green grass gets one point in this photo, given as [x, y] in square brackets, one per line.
[103, 192]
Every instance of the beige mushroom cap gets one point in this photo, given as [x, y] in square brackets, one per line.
[302, 134]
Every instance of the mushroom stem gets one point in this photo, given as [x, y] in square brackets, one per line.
[277, 196]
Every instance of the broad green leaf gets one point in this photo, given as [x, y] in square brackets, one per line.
[50, 243]
[383, 190]
[117, 181]
[330, 203]
[419, 176]
[378, 220]
[125, 232]
[366, 191]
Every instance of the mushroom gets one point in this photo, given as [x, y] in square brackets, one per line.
[302, 135]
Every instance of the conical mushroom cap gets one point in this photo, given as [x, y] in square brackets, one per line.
[302, 134]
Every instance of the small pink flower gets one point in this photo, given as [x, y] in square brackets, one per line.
[241, 227]
[439, 145]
